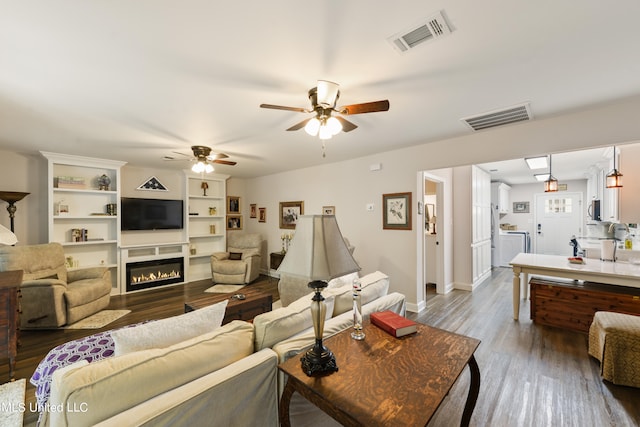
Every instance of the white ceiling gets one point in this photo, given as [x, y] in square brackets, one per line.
[135, 80]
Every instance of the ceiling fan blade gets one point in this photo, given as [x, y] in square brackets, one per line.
[217, 156]
[224, 162]
[367, 107]
[182, 154]
[347, 126]
[300, 125]
[281, 107]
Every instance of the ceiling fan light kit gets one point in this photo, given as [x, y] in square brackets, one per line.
[323, 99]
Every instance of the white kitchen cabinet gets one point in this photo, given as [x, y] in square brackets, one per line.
[481, 224]
[83, 216]
[206, 221]
[501, 197]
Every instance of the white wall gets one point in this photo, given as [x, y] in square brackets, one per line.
[349, 185]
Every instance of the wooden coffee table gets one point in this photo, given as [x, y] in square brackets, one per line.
[387, 381]
[255, 302]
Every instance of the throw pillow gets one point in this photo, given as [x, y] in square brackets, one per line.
[341, 281]
[235, 256]
[166, 332]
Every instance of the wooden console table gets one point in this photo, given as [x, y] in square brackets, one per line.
[593, 270]
[387, 381]
[275, 259]
[9, 316]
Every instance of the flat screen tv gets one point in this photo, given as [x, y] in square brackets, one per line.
[151, 214]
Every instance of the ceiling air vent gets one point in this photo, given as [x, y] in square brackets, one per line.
[516, 113]
[428, 29]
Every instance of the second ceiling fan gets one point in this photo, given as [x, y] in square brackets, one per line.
[325, 123]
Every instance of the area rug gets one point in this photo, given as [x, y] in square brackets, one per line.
[12, 405]
[224, 289]
[98, 320]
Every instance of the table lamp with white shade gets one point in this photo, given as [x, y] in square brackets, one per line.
[318, 253]
[7, 237]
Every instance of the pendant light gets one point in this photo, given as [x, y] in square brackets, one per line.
[551, 184]
[614, 178]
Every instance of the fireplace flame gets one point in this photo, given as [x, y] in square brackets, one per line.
[153, 277]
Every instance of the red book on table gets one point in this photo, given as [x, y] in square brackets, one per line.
[393, 323]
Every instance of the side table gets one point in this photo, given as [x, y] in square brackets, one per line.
[387, 381]
[275, 258]
[9, 316]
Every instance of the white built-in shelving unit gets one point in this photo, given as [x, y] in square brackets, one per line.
[205, 221]
[84, 206]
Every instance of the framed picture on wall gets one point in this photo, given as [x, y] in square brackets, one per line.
[234, 222]
[252, 210]
[396, 211]
[233, 205]
[328, 210]
[520, 207]
[262, 214]
[289, 213]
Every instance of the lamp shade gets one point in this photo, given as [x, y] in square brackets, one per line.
[7, 237]
[318, 250]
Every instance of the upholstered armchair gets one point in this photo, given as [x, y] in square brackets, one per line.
[241, 263]
[51, 295]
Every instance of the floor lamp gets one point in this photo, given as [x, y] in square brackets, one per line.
[12, 197]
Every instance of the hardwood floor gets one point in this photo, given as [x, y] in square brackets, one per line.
[531, 375]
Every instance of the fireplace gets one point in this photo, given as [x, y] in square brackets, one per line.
[159, 272]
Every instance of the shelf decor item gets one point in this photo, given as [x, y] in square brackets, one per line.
[103, 182]
[318, 253]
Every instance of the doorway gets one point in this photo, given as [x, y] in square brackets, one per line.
[558, 218]
[434, 262]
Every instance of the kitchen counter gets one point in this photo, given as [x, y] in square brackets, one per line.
[593, 270]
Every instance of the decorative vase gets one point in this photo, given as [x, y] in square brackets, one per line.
[357, 333]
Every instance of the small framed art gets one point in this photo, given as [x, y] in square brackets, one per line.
[289, 213]
[234, 222]
[233, 205]
[396, 211]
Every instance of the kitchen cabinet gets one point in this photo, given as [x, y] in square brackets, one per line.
[481, 223]
[500, 197]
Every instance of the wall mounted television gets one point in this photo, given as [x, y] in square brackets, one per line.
[151, 214]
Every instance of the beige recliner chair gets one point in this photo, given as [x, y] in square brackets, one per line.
[241, 263]
[51, 295]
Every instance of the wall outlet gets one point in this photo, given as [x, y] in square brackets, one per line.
[369, 207]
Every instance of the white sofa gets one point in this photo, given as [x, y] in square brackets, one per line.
[226, 377]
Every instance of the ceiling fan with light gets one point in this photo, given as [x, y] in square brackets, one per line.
[203, 159]
[323, 99]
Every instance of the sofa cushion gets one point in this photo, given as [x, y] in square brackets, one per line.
[165, 332]
[274, 326]
[228, 266]
[118, 383]
[374, 285]
[341, 281]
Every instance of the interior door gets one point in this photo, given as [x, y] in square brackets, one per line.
[558, 217]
